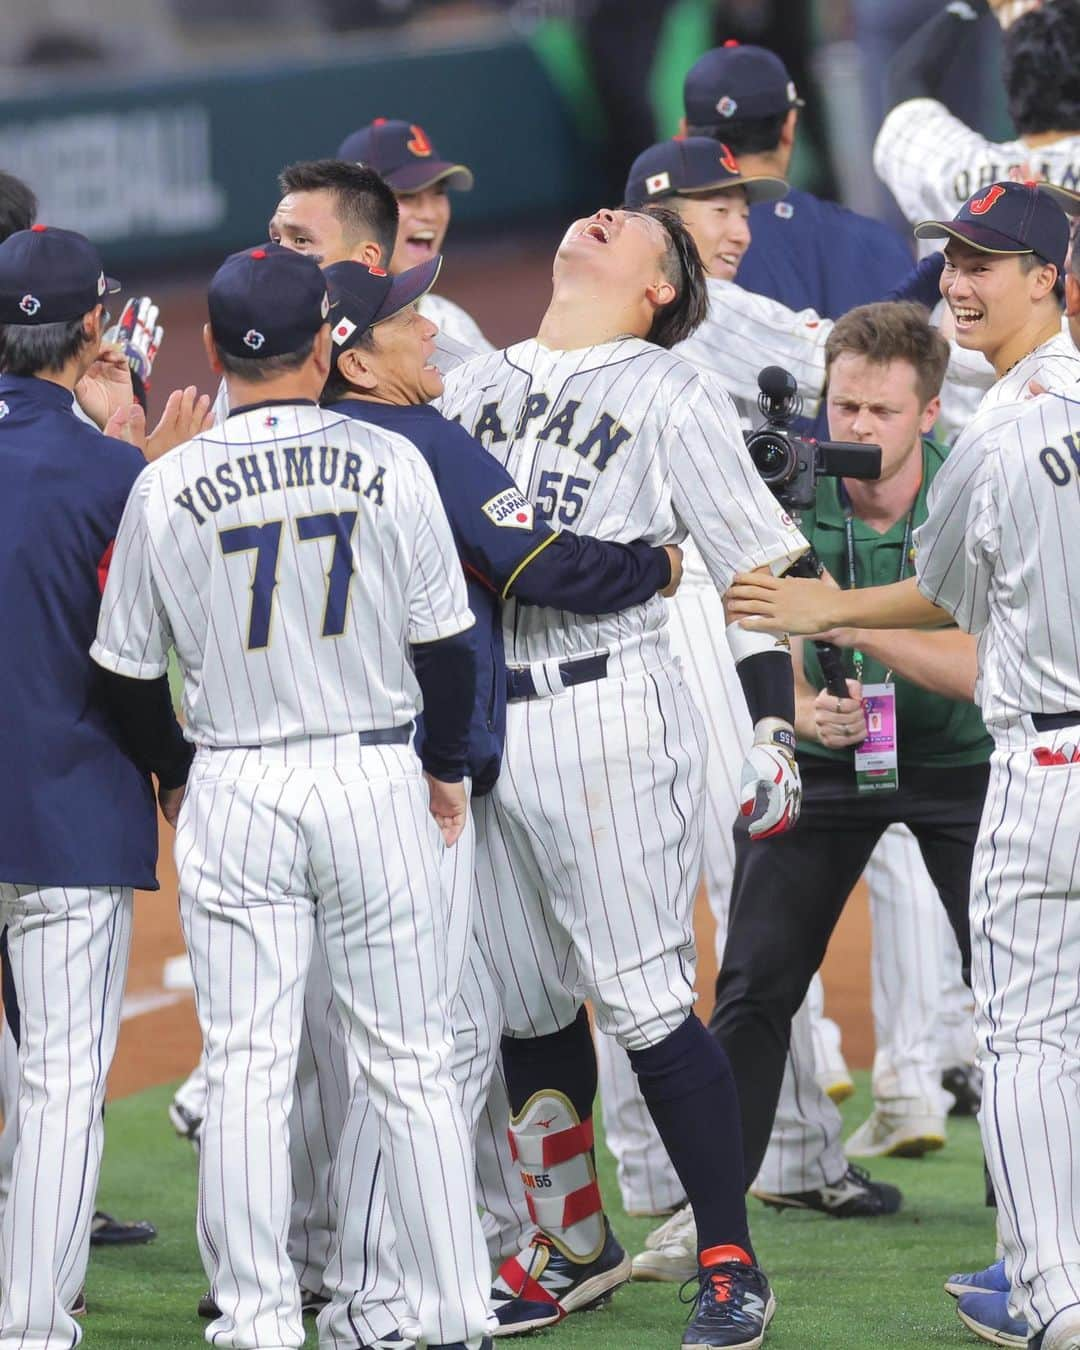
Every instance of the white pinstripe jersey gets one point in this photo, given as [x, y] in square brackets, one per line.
[932, 162]
[454, 323]
[622, 441]
[292, 556]
[1000, 550]
[1055, 364]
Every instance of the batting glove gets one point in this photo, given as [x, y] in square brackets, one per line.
[770, 771]
[138, 335]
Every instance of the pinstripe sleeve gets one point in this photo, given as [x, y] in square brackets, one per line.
[730, 514]
[924, 155]
[437, 601]
[133, 636]
[745, 332]
[956, 548]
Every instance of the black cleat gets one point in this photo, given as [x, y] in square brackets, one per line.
[854, 1196]
[963, 1082]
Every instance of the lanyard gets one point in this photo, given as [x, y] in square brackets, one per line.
[905, 550]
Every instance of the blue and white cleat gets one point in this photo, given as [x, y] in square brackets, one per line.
[989, 1281]
[733, 1304]
[540, 1285]
[988, 1316]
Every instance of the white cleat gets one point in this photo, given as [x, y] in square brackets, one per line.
[670, 1255]
[883, 1136]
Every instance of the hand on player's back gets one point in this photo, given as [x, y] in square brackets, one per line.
[675, 554]
[449, 807]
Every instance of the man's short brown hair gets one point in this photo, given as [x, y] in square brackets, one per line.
[892, 331]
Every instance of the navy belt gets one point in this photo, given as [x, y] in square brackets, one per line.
[387, 735]
[1054, 721]
[520, 683]
[384, 736]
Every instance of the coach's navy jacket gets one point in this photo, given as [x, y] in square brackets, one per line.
[505, 551]
[74, 809]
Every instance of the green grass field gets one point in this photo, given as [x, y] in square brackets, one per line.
[848, 1285]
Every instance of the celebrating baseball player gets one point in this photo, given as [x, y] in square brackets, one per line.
[993, 535]
[316, 557]
[78, 822]
[590, 894]
[403, 154]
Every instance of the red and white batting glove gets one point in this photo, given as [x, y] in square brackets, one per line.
[138, 335]
[770, 771]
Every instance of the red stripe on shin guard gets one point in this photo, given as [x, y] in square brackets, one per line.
[578, 1205]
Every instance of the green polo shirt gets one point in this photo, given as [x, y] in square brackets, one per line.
[934, 731]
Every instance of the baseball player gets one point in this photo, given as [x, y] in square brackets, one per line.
[805, 252]
[406, 158]
[321, 597]
[587, 889]
[702, 180]
[981, 530]
[931, 161]
[78, 831]
[382, 349]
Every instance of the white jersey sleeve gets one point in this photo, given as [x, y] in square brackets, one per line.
[744, 332]
[957, 545]
[459, 338]
[133, 636]
[729, 512]
[437, 599]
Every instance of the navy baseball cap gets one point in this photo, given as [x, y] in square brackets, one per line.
[737, 82]
[403, 154]
[693, 164]
[1007, 218]
[267, 301]
[364, 296]
[50, 276]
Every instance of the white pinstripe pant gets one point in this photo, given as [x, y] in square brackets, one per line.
[1025, 926]
[340, 850]
[69, 951]
[805, 1148]
[588, 853]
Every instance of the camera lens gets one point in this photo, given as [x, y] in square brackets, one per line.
[772, 456]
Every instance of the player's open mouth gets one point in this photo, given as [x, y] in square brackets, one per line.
[596, 231]
[422, 242]
[967, 317]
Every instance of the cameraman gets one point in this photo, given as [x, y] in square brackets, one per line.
[884, 366]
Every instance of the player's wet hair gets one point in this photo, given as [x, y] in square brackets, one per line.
[18, 205]
[750, 136]
[1042, 69]
[267, 368]
[675, 322]
[892, 331]
[337, 386]
[366, 205]
[26, 349]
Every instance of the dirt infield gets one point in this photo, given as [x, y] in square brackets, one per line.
[504, 284]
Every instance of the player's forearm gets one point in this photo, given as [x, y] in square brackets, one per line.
[446, 673]
[901, 605]
[589, 576]
[142, 712]
[918, 68]
[945, 663]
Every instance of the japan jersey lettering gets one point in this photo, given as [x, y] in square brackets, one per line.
[623, 441]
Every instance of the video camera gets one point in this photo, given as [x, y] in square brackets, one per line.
[790, 466]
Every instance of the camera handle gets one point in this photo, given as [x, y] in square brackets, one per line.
[829, 657]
